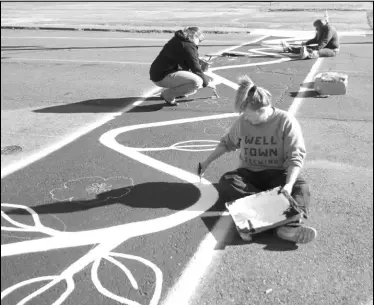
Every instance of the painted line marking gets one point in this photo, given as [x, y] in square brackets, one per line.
[184, 289]
[17, 59]
[199, 265]
[15, 166]
[301, 93]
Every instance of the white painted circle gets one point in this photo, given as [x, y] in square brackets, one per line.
[195, 145]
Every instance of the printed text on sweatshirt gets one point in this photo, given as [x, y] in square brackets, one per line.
[276, 144]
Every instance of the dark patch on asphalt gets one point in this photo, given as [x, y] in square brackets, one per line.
[11, 149]
[101, 105]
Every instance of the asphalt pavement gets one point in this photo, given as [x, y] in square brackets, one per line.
[121, 224]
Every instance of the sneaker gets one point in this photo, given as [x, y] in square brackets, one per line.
[299, 235]
[303, 53]
[170, 103]
[286, 47]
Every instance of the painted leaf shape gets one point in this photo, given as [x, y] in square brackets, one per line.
[52, 281]
[111, 257]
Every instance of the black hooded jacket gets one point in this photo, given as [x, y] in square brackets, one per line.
[179, 53]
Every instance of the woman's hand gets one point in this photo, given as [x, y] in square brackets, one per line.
[212, 85]
[287, 188]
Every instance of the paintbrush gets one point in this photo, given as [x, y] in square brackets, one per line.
[215, 93]
[199, 169]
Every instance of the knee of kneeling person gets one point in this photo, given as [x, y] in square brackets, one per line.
[197, 83]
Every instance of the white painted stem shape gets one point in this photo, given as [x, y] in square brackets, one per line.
[110, 238]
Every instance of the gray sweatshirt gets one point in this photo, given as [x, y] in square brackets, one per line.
[328, 38]
[276, 144]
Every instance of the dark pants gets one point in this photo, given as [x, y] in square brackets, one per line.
[321, 53]
[243, 182]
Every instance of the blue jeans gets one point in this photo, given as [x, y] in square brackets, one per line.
[243, 182]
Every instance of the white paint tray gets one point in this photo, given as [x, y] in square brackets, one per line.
[263, 211]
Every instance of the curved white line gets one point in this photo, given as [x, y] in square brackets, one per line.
[74, 239]
[70, 287]
[252, 64]
[24, 283]
[125, 270]
[38, 226]
[103, 290]
[39, 291]
[158, 273]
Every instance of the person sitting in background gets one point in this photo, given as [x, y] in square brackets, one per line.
[272, 153]
[177, 67]
[326, 41]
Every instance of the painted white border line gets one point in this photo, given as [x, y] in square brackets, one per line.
[18, 59]
[13, 167]
[301, 93]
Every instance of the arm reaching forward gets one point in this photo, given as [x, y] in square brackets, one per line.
[230, 142]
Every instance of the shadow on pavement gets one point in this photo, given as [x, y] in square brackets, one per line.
[306, 94]
[157, 107]
[308, 85]
[159, 195]
[270, 241]
[103, 105]
[151, 195]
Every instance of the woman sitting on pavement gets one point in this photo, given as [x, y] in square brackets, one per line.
[177, 67]
[272, 153]
[326, 40]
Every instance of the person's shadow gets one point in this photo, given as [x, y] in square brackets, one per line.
[160, 195]
[101, 105]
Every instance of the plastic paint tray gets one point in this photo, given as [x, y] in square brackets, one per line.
[263, 211]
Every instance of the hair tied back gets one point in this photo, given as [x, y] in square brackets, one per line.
[253, 89]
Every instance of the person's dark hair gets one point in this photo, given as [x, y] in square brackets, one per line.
[319, 23]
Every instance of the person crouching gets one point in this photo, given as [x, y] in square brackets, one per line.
[177, 67]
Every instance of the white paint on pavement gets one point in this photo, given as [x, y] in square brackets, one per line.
[277, 61]
[301, 94]
[205, 254]
[110, 238]
[13, 167]
[184, 289]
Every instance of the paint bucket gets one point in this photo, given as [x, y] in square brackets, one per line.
[331, 83]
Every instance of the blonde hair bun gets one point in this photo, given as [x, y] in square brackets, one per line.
[250, 96]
